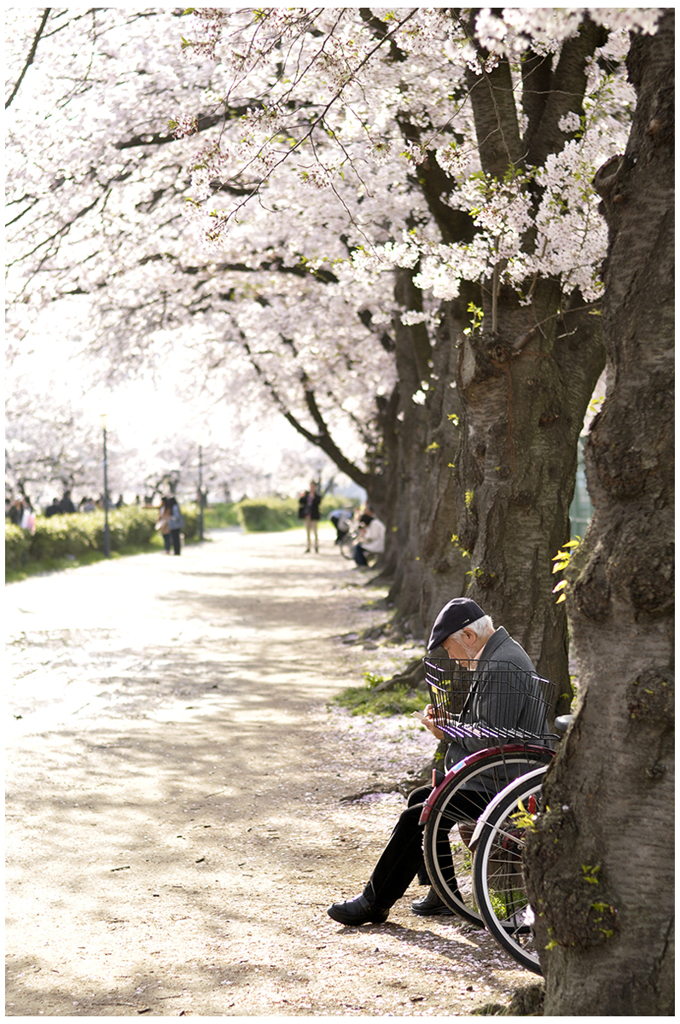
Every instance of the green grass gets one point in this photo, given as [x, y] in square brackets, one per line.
[365, 700]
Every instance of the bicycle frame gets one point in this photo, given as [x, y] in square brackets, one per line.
[478, 755]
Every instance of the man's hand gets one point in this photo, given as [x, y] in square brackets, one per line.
[429, 722]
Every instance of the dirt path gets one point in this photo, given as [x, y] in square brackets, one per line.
[175, 829]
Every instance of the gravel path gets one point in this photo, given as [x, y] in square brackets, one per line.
[175, 817]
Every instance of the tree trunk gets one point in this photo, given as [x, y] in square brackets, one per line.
[443, 567]
[523, 384]
[600, 863]
[412, 355]
[522, 408]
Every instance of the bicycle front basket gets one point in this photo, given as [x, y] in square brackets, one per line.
[492, 703]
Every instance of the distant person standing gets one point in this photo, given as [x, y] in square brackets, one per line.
[66, 505]
[175, 524]
[309, 511]
[54, 509]
[16, 511]
[27, 517]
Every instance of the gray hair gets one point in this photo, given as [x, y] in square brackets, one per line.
[478, 627]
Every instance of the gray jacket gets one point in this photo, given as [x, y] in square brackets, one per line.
[504, 702]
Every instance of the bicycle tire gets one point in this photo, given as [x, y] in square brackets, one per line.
[346, 546]
[449, 866]
[498, 877]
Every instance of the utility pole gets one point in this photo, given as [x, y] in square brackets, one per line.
[107, 534]
[200, 492]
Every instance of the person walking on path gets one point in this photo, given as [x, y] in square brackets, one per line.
[309, 511]
[468, 636]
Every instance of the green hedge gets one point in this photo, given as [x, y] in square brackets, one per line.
[221, 514]
[83, 532]
[17, 544]
[269, 515]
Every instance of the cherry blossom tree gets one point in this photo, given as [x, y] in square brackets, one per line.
[498, 123]
[259, 315]
[389, 218]
[52, 447]
[387, 222]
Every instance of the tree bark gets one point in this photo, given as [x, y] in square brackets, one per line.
[522, 414]
[600, 863]
[412, 355]
[443, 565]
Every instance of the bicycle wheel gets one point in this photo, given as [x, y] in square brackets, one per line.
[346, 546]
[498, 877]
[455, 808]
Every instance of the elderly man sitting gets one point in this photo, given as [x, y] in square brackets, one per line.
[467, 635]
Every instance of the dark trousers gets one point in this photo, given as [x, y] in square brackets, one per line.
[359, 555]
[175, 534]
[402, 858]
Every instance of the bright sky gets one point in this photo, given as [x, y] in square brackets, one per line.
[145, 410]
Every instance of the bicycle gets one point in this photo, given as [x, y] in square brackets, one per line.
[347, 542]
[514, 749]
[498, 878]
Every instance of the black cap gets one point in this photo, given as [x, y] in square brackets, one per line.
[454, 616]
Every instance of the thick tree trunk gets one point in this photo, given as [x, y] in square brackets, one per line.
[524, 385]
[600, 864]
[524, 393]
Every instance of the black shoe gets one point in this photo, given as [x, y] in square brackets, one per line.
[357, 911]
[430, 904]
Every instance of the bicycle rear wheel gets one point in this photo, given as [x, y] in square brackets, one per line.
[346, 546]
[498, 877]
[449, 829]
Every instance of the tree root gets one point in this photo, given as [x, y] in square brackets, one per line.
[413, 675]
[526, 1002]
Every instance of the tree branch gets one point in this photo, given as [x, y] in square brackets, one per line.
[495, 114]
[566, 91]
[323, 439]
[203, 123]
[31, 55]
[319, 120]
